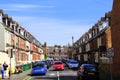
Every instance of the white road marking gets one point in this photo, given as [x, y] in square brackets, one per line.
[52, 74]
[58, 75]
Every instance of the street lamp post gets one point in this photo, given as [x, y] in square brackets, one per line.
[31, 57]
[10, 52]
[72, 46]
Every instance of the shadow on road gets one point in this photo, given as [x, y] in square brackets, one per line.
[56, 78]
[46, 78]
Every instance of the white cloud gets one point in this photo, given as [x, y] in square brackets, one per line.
[19, 7]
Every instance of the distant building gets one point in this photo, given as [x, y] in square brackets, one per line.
[55, 51]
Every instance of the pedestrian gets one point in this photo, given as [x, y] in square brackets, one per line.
[5, 66]
[2, 70]
[10, 70]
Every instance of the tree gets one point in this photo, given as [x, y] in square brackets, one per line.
[46, 56]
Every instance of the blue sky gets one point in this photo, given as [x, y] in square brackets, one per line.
[56, 21]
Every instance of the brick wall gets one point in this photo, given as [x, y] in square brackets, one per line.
[115, 32]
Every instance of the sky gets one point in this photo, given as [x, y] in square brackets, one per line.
[56, 21]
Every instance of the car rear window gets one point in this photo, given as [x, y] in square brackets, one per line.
[90, 68]
[58, 62]
[73, 62]
[38, 65]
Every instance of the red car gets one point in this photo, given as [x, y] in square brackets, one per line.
[58, 65]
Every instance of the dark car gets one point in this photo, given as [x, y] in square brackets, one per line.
[88, 71]
[47, 63]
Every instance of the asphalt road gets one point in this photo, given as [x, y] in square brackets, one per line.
[67, 74]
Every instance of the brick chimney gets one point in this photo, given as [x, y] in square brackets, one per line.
[5, 19]
[1, 13]
[9, 21]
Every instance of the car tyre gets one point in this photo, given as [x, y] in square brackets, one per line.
[78, 78]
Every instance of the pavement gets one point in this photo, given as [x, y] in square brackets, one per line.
[21, 76]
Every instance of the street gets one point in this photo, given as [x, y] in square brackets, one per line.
[67, 74]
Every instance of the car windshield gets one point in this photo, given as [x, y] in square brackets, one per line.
[58, 62]
[74, 62]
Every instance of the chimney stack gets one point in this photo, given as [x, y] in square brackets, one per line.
[1, 14]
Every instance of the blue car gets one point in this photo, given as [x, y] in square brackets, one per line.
[72, 64]
[39, 68]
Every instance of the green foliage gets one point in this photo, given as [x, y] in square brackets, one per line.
[46, 56]
[58, 46]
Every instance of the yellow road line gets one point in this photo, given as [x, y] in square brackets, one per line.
[27, 78]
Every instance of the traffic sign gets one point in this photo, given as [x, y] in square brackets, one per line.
[110, 52]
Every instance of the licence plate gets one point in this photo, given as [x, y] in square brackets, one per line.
[91, 73]
[37, 70]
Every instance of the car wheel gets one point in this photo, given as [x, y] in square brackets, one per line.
[78, 78]
[98, 78]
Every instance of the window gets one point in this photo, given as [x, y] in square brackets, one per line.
[80, 50]
[12, 27]
[22, 32]
[85, 57]
[58, 62]
[93, 32]
[6, 21]
[27, 47]
[90, 35]
[20, 56]
[105, 24]
[90, 68]
[87, 47]
[83, 39]
[16, 28]
[99, 42]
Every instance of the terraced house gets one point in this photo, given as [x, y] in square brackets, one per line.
[25, 47]
[94, 45]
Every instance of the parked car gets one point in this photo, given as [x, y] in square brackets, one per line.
[39, 68]
[58, 65]
[64, 60]
[47, 63]
[72, 64]
[87, 71]
[50, 59]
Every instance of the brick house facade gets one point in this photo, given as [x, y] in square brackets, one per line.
[15, 37]
[102, 36]
[115, 35]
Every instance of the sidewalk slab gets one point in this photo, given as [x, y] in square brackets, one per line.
[19, 76]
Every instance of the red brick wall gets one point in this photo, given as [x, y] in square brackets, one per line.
[108, 38]
[22, 43]
[115, 32]
[93, 44]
